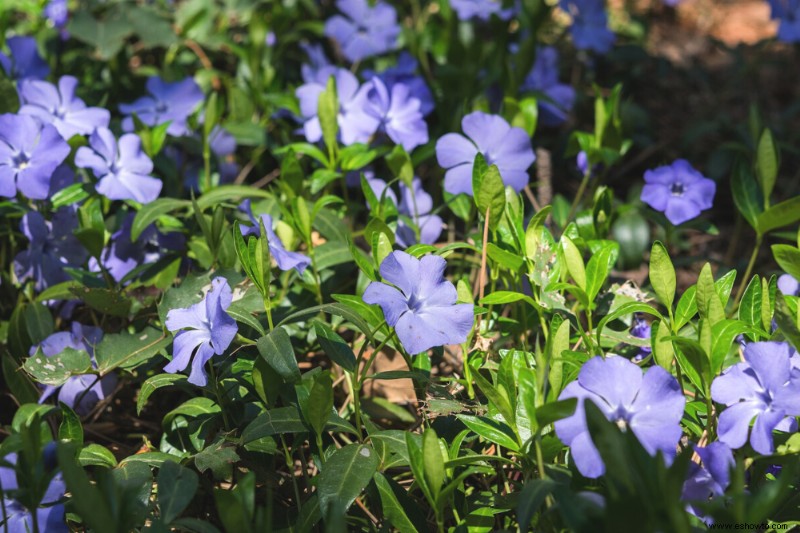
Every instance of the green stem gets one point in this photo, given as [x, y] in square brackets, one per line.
[750, 265]
[579, 196]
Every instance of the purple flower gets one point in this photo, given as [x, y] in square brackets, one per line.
[589, 25]
[405, 72]
[508, 148]
[765, 388]
[122, 168]
[788, 285]
[559, 97]
[788, 13]
[80, 393]
[24, 61]
[641, 330]
[421, 306]
[57, 12]
[356, 125]
[678, 190]
[211, 330]
[123, 255]
[285, 259]
[582, 162]
[711, 479]
[398, 113]
[52, 248]
[651, 406]
[18, 518]
[29, 153]
[60, 107]
[365, 31]
[167, 102]
[482, 9]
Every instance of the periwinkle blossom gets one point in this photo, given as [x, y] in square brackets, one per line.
[480, 9]
[171, 102]
[356, 125]
[53, 247]
[24, 60]
[420, 304]
[285, 259]
[405, 72]
[60, 107]
[787, 13]
[29, 153]
[589, 28]
[508, 148]
[543, 77]
[582, 162]
[398, 113]
[763, 389]
[415, 204]
[678, 190]
[204, 329]
[122, 168]
[123, 254]
[50, 515]
[317, 60]
[80, 393]
[708, 479]
[366, 30]
[788, 285]
[649, 405]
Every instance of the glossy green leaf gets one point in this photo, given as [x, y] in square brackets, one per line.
[276, 349]
[662, 275]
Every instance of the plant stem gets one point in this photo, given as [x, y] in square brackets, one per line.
[750, 265]
[579, 196]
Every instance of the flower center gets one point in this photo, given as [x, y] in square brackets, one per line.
[621, 418]
[677, 189]
[414, 303]
[21, 161]
[161, 108]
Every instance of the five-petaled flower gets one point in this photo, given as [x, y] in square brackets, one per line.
[123, 169]
[206, 329]
[650, 405]
[589, 27]
[421, 306]
[709, 479]
[60, 107]
[171, 102]
[559, 97]
[678, 190]
[398, 112]
[24, 62]
[765, 388]
[508, 148]
[367, 30]
[29, 154]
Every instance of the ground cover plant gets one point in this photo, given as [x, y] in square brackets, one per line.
[447, 265]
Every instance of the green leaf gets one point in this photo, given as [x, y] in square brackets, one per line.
[489, 191]
[176, 488]
[70, 428]
[574, 262]
[628, 308]
[219, 458]
[432, 461]
[128, 350]
[663, 352]
[746, 195]
[534, 230]
[344, 475]
[491, 430]
[335, 347]
[788, 258]
[318, 405]
[507, 259]
[750, 306]
[225, 193]
[96, 455]
[597, 271]
[56, 370]
[662, 274]
[395, 504]
[107, 301]
[9, 100]
[91, 505]
[69, 195]
[723, 335]
[557, 343]
[527, 116]
[787, 321]
[150, 212]
[694, 362]
[709, 304]
[274, 422]
[767, 163]
[400, 164]
[779, 215]
[338, 309]
[555, 411]
[156, 382]
[276, 349]
[686, 308]
[327, 111]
